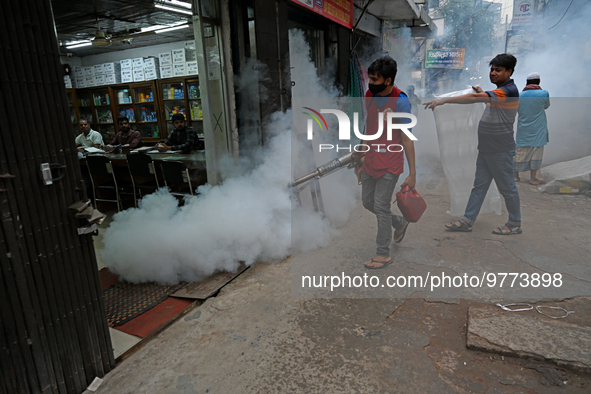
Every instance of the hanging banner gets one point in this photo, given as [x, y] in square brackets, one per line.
[523, 12]
[444, 58]
[339, 11]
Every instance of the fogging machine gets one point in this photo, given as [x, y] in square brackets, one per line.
[346, 161]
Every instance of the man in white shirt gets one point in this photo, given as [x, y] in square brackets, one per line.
[87, 137]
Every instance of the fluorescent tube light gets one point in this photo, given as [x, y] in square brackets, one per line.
[155, 27]
[172, 28]
[177, 3]
[78, 44]
[158, 27]
[75, 42]
[173, 9]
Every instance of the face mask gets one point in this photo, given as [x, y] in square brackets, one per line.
[375, 89]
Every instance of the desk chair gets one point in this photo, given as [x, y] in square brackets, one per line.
[176, 176]
[103, 178]
[143, 174]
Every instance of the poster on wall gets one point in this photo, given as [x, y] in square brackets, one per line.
[444, 58]
[339, 11]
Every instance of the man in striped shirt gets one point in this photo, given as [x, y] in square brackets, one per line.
[496, 145]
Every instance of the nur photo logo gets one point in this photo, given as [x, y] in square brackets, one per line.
[392, 119]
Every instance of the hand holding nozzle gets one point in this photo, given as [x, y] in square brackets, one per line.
[356, 158]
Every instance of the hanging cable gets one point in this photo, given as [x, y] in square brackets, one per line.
[361, 16]
[571, 3]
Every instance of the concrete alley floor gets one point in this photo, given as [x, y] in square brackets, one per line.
[264, 334]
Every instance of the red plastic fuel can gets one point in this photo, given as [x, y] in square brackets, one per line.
[411, 204]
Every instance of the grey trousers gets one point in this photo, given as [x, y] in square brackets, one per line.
[376, 195]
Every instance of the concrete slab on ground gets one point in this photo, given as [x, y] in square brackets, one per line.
[510, 333]
[122, 341]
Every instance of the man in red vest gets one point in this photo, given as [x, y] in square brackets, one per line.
[384, 161]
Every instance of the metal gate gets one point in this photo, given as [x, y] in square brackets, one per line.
[53, 329]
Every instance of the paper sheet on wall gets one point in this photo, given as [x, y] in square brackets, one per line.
[457, 132]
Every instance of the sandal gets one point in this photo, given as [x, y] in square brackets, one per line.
[401, 236]
[384, 264]
[503, 230]
[465, 227]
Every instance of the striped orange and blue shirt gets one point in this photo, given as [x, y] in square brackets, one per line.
[495, 130]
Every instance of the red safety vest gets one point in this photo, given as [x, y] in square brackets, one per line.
[379, 160]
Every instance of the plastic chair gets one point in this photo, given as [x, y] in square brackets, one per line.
[101, 167]
[143, 174]
[176, 174]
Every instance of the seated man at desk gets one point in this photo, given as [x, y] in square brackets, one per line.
[87, 138]
[183, 138]
[126, 137]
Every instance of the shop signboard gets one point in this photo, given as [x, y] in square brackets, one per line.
[523, 12]
[519, 41]
[445, 58]
[339, 11]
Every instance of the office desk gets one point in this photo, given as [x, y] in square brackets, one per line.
[194, 161]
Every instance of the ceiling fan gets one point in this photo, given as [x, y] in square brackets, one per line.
[100, 39]
[103, 40]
